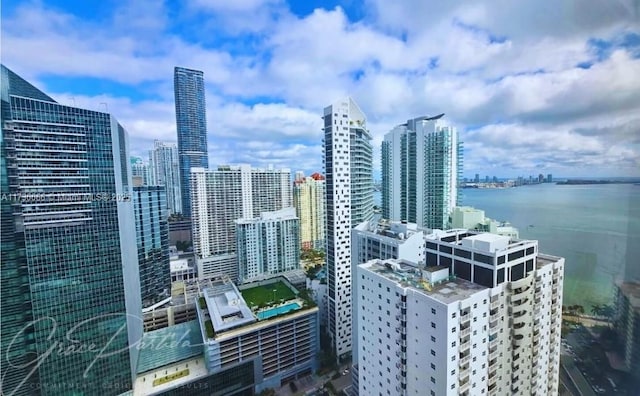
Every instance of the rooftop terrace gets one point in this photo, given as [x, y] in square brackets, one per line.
[391, 229]
[408, 275]
[225, 307]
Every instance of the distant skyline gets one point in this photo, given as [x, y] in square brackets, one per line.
[533, 87]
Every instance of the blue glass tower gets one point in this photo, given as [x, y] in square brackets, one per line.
[70, 299]
[191, 123]
[152, 234]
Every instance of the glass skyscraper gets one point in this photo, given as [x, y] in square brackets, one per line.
[191, 123]
[421, 170]
[152, 235]
[70, 298]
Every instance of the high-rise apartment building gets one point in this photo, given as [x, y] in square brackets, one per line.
[421, 170]
[152, 236]
[309, 201]
[269, 244]
[349, 191]
[165, 171]
[69, 264]
[381, 239]
[222, 196]
[191, 123]
[485, 313]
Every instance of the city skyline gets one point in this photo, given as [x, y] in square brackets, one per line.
[558, 98]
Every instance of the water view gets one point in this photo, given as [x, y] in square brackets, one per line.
[595, 227]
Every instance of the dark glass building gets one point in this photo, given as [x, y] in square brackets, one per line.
[70, 299]
[152, 235]
[191, 123]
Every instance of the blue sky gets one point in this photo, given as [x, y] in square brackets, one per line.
[533, 87]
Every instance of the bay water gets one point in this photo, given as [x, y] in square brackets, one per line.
[596, 228]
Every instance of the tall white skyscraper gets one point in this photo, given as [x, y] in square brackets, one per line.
[222, 196]
[309, 200]
[269, 244]
[483, 317]
[164, 170]
[349, 191]
[421, 168]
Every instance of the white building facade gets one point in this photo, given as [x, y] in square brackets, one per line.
[381, 239]
[431, 331]
[421, 170]
[164, 170]
[269, 244]
[222, 196]
[349, 190]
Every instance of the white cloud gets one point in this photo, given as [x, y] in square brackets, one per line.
[505, 74]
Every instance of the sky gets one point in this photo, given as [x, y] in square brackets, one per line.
[533, 86]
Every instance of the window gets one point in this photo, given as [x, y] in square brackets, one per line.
[433, 325]
[453, 344]
[433, 380]
[433, 339]
[453, 315]
[433, 366]
[433, 311]
[433, 353]
[453, 329]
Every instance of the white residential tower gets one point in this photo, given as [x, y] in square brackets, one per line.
[349, 191]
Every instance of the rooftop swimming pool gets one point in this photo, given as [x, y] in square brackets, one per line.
[271, 312]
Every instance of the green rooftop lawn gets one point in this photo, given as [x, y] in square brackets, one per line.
[263, 295]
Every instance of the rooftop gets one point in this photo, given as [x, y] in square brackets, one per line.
[410, 276]
[225, 305]
[478, 240]
[226, 308]
[164, 378]
[179, 265]
[390, 229]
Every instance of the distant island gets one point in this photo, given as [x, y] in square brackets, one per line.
[579, 182]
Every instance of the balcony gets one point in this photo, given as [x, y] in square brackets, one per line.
[465, 332]
[463, 387]
[464, 360]
[495, 304]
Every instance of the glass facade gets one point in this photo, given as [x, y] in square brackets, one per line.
[421, 169]
[191, 123]
[67, 247]
[152, 236]
[165, 171]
